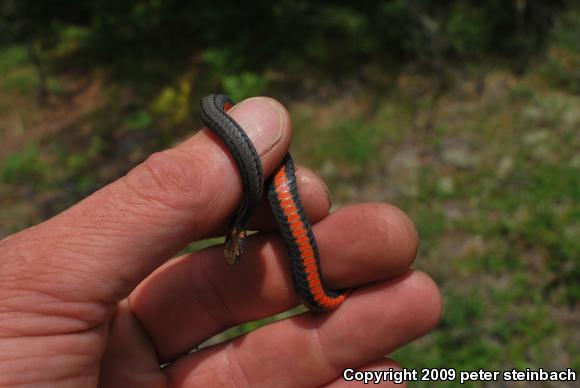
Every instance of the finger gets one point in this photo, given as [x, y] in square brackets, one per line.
[200, 291]
[383, 367]
[313, 194]
[101, 248]
[313, 349]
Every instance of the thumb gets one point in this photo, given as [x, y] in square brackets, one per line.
[101, 248]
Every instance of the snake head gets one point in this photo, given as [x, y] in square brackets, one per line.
[234, 245]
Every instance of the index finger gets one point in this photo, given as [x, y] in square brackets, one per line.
[106, 244]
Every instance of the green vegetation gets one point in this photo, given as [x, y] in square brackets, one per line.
[465, 116]
[23, 166]
[16, 74]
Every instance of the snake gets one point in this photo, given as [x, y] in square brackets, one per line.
[284, 200]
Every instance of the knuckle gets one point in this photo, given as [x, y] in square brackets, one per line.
[171, 179]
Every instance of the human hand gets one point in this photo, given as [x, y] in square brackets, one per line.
[89, 297]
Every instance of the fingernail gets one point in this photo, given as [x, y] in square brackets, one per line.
[263, 119]
[325, 187]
